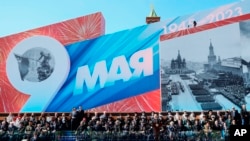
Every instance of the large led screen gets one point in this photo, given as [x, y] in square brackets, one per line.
[206, 67]
[89, 73]
[111, 68]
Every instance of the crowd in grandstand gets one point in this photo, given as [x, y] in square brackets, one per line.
[140, 126]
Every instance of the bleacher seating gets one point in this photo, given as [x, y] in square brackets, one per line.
[131, 135]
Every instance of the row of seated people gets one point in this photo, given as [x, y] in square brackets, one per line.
[139, 126]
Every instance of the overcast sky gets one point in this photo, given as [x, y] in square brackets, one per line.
[195, 47]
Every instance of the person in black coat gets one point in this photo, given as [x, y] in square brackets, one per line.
[74, 122]
[245, 115]
[237, 118]
[80, 115]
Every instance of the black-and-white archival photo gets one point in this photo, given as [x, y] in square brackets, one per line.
[207, 70]
[35, 65]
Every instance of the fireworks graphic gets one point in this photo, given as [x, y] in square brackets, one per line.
[67, 32]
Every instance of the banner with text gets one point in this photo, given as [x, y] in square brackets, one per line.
[206, 67]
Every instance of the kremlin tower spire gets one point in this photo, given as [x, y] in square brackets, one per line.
[152, 17]
[211, 56]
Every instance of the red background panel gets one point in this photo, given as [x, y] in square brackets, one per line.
[66, 32]
[147, 102]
